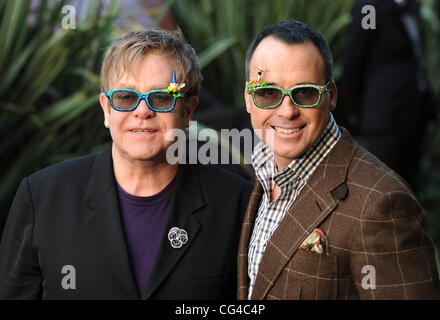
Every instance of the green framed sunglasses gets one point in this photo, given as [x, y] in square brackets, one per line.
[303, 96]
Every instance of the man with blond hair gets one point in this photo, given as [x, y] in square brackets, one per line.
[125, 223]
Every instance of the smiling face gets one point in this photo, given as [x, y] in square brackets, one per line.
[294, 130]
[140, 135]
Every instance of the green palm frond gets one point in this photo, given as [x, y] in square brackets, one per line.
[205, 20]
[49, 85]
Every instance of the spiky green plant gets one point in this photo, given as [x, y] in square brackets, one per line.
[204, 21]
[48, 86]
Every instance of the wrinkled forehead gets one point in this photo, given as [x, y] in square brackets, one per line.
[281, 60]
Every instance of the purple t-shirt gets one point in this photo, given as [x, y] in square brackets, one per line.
[144, 220]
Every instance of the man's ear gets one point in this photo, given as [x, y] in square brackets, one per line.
[190, 106]
[247, 99]
[333, 90]
[105, 105]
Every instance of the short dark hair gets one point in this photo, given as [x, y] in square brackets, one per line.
[293, 31]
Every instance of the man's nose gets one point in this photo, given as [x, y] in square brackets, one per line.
[287, 109]
[142, 110]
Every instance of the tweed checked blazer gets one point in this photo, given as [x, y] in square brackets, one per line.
[370, 218]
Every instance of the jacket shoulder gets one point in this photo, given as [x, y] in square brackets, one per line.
[221, 177]
[367, 170]
[69, 170]
[376, 192]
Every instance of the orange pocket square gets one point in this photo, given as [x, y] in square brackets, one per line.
[315, 242]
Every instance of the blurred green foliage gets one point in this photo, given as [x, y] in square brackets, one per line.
[429, 194]
[48, 80]
[431, 58]
[204, 21]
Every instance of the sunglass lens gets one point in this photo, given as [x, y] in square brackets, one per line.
[305, 96]
[267, 97]
[161, 100]
[124, 99]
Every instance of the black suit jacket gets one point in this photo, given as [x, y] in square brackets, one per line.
[68, 214]
[380, 70]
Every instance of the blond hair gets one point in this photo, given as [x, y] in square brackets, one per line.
[124, 55]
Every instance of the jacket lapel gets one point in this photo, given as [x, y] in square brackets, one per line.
[105, 223]
[313, 204]
[246, 231]
[187, 199]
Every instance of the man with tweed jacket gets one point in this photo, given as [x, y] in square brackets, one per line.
[326, 219]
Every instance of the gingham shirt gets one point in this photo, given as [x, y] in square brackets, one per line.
[291, 180]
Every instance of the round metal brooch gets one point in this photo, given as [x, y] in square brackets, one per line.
[178, 237]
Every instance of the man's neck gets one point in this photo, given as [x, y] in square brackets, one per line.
[142, 178]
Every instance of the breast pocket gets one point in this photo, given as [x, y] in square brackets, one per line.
[311, 276]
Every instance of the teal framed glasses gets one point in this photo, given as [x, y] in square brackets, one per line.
[303, 96]
[157, 100]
